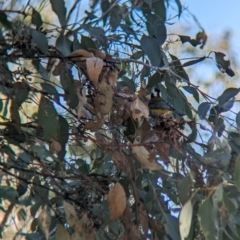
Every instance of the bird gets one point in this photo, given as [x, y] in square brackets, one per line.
[159, 106]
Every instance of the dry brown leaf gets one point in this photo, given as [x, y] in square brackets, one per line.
[143, 218]
[163, 149]
[84, 226]
[74, 56]
[134, 233]
[94, 68]
[97, 53]
[117, 201]
[82, 100]
[112, 77]
[62, 233]
[44, 221]
[71, 215]
[51, 62]
[139, 110]
[143, 157]
[103, 101]
[55, 146]
[58, 68]
[119, 158]
[93, 126]
[79, 57]
[143, 129]
[142, 92]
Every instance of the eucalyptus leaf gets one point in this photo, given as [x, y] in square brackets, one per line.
[41, 40]
[227, 95]
[48, 118]
[238, 119]
[36, 19]
[151, 49]
[185, 219]
[63, 44]
[154, 80]
[87, 42]
[58, 6]
[115, 18]
[4, 20]
[207, 219]
[192, 91]
[192, 62]
[51, 90]
[9, 193]
[105, 5]
[203, 109]
[183, 188]
[237, 174]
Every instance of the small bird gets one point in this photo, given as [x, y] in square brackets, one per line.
[159, 106]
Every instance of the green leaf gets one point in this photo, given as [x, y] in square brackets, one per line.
[207, 219]
[36, 19]
[32, 236]
[237, 173]
[63, 131]
[154, 80]
[67, 83]
[226, 106]
[115, 18]
[137, 55]
[9, 193]
[192, 91]
[217, 158]
[63, 44]
[50, 89]
[41, 40]
[98, 33]
[58, 6]
[76, 44]
[192, 62]
[183, 189]
[185, 219]
[48, 118]
[151, 49]
[4, 20]
[21, 94]
[217, 196]
[193, 135]
[179, 70]
[156, 28]
[159, 9]
[41, 70]
[203, 108]
[128, 30]
[238, 119]
[87, 42]
[105, 5]
[228, 203]
[227, 95]
[1, 105]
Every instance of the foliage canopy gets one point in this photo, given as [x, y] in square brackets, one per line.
[82, 155]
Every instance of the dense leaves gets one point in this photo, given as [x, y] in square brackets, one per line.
[105, 134]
